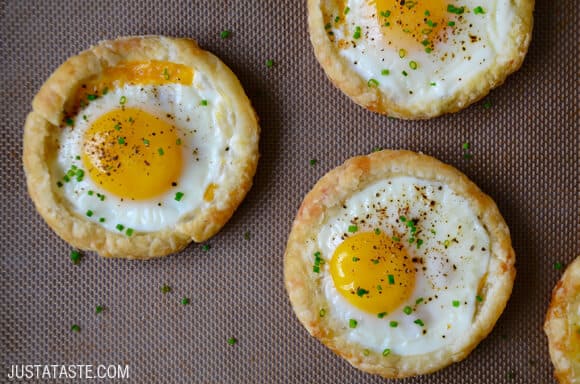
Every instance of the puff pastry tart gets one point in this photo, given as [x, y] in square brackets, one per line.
[418, 59]
[398, 263]
[562, 325]
[137, 146]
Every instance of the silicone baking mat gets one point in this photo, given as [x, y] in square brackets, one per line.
[524, 140]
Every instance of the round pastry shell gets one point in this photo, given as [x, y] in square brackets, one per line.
[339, 70]
[565, 293]
[43, 125]
[336, 187]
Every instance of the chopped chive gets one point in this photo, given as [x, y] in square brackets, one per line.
[385, 13]
[413, 65]
[327, 26]
[89, 213]
[105, 90]
[165, 289]
[185, 301]
[366, 352]
[451, 23]
[355, 259]
[457, 10]
[419, 322]
[433, 84]
[101, 220]
[75, 257]
[428, 50]
[427, 13]
[465, 145]
[558, 266]
[386, 352]
[225, 34]
[357, 32]
[419, 243]
[395, 238]
[313, 162]
[160, 151]
[381, 315]
[70, 122]
[117, 127]
[123, 100]
[479, 298]
[322, 312]
[121, 140]
[487, 104]
[446, 243]
[372, 83]
[391, 279]
[377, 231]
[232, 340]
[431, 23]
[346, 10]
[165, 74]
[352, 323]
[316, 268]
[269, 63]
[361, 292]
[203, 102]
[407, 310]
[146, 142]
[352, 228]
[478, 11]
[120, 227]
[99, 309]
[456, 303]
[419, 300]
[205, 247]
[90, 193]
[337, 19]
[402, 53]
[75, 328]
[404, 73]
[385, 72]
[394, 324]
[129, 231]
[178, 141]
[179, 196]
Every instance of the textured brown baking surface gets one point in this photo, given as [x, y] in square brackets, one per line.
[525, 147]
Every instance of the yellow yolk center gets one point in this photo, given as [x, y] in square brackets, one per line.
[372, 272]
[412, 24]
[132, 153]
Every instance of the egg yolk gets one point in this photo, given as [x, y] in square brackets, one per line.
[412, 24]
[372, 272]
[137, 73]
[132, 154]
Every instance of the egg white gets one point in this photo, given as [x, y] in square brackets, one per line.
[441, 73]
[453, 269]
[205, 140]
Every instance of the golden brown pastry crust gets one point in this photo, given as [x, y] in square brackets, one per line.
[331, 191]
[565, 294]
[42, 126]
[344, 77]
